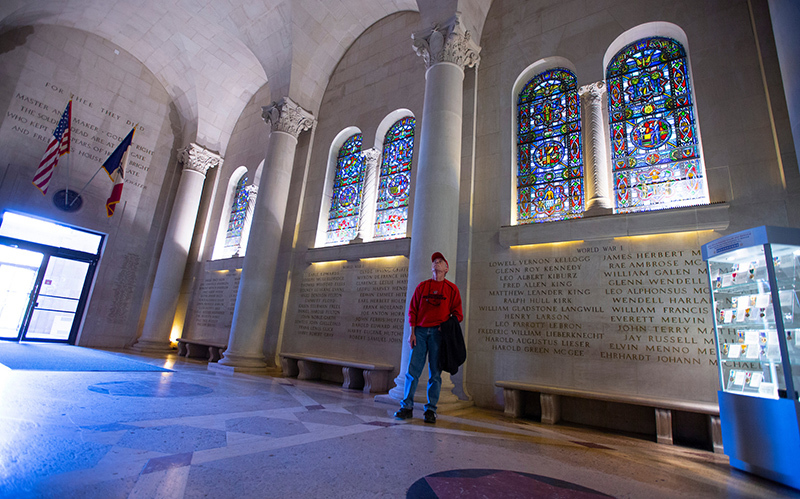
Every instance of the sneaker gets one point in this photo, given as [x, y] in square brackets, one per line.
[430, 416]
[404, 413]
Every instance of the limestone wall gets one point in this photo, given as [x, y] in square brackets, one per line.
[629, 315]
[589, 304]
[40, 69]
[351, 310]
[352, 307]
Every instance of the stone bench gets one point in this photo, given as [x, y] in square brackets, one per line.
[550, 399]
[371, 378]
[200, 349]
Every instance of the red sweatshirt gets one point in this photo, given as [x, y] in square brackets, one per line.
[433, 303]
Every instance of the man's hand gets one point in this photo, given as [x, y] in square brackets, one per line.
[412, 340]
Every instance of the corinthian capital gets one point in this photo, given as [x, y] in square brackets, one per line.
[446, 42]
[252, 190]
[286, 116]
[371, 156]
[198, 158]
[593, 92]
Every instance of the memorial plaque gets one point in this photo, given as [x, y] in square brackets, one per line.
[96, 131]
[630, 315]
[352, 310]
[213, 305]
[123, 286]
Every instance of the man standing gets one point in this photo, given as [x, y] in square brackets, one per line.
[434, 301]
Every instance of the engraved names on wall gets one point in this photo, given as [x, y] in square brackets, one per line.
[124, 284]
[319, 309]
[357, 302]
[215, 301]
[616, 302]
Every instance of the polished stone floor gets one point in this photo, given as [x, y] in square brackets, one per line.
[197, 433]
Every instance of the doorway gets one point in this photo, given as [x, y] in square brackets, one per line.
[45, 278]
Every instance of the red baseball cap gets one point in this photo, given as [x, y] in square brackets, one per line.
[439, 255]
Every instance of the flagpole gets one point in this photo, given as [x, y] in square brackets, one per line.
[66, 192]
[69, 151]
[87, 185]
[108, 163]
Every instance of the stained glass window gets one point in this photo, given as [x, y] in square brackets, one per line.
[393, 187]
[655, 153]
[549, 150]
[347, 186]
[233, 237]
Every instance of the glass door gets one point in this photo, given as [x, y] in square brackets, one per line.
[46, 272]
[18, 271]
[59, 295]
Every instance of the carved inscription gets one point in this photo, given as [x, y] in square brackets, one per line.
[96, 130]
[660, 308]
[612, 303]
[320, 305]
[216, 300]
[124, 284]
[540, 304]
[357, 302]
[382, 296]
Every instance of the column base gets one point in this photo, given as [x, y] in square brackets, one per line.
[597, 211]
[223, 369]
[231, 363]
[150, 346]
[386, 398]
[447, 399]
[399, 389]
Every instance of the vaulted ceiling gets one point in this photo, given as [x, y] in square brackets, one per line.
[212, 56]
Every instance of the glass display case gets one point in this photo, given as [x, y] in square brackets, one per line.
[753, 278]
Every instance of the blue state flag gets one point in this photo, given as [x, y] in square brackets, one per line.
[119, 157]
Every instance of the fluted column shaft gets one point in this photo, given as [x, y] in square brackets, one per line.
[447, 50]
[249, 327]
[175, 251]
[596, 158]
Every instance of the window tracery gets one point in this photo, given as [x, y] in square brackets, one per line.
[549, 149]
[395, 178]
[347, 190]
[236, 221]
[655, 151]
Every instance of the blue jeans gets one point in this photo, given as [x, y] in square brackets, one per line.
[428, 340]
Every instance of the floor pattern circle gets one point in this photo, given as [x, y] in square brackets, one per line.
[160, 388]
[485, 483]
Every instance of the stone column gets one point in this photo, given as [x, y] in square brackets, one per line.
[369, 196]
[447, 50]
[172, 262]
[252, 195]
[599, 200]
[785, 16]
[249, 327]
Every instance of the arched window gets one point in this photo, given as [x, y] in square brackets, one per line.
[393, 186]
[236, 222]
[655, 152]
[347, 186]
[549, 150]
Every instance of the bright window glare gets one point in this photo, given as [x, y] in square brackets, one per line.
[41, 231]
[16, 256]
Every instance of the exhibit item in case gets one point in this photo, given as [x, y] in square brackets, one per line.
[753, 278]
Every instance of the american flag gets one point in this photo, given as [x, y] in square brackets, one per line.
[57, 147]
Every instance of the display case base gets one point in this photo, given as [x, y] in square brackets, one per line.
[761, 436]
